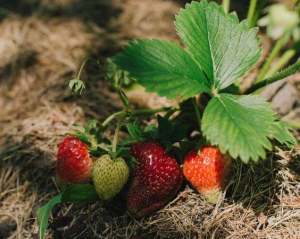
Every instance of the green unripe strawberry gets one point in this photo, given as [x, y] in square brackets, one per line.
[109, 176]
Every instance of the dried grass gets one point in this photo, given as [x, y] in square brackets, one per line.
[42, 50]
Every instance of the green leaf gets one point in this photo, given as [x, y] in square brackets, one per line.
[167, 144]
[97, 152]
[224, 48]
[43, 214]
[170, 132]
[113, 72]
[79, 128]
[76, 86]
[240, 125]
[82, 137]
[179, 132]
[186, 146]
[136, 132]
[80, 193]
[90, 124]
[162, 67]
[74, 193]
[283, 135]
[165, 128]
[151, 130]
[178, 154]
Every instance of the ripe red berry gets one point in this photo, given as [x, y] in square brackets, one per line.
[73, 163]
[154, 181]
[207, 171]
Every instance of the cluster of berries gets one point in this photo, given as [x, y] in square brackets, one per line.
[152, 182]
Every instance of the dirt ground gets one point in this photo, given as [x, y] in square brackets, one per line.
[42, 45]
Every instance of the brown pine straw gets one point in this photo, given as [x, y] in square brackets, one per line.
[42, 44]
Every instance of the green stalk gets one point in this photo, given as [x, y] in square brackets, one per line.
[197, 112]
[115, 140]
[279, 44]
[128, 113]
[125, 114]
[293, 123]
[82, 66]
[116, 86]
[258, 12]
[279, 76]
[251, 11]
[113, 116]
[172, 111]
[226, 5]
[286, 57]
[149, 111]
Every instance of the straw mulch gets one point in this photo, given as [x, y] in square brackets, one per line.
[42, 44]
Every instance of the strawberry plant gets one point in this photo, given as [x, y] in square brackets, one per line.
[219, 49]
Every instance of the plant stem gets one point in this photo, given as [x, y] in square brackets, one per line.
[226, 5]
[149, 111]
[125, 114]
[197, 112]
[284, 59]
[293, 123]
[128, 113]
[257, 13]
[115, 140]
[279, 44]
[83, 64]
[115, 84]
[124, 98]
[172, 111]
[113, 116]
[251, 11]
[279, 76]
[101, 69]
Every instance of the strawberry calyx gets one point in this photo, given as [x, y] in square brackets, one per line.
[166, 133]
[212, 198]
[91, 135]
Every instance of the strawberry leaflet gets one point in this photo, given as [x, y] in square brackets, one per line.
[163, 67]
[242, 126]
[224, 48]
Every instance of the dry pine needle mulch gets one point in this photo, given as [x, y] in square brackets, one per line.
[40, 51]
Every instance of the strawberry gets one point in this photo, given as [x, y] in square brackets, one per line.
[109, 176]
[74, 164]
[154, 180]
[207, 171]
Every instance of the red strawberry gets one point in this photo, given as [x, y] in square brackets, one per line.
[73, 163]
[207, 171]
[154, 181]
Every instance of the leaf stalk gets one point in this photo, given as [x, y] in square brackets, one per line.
[279, 76]
[226, 5]
[115, 140]
[257, 13]
[130, 113]
[284, 59]
[279, 44]
[251, 11]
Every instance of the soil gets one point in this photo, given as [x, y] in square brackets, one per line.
[42, 45]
